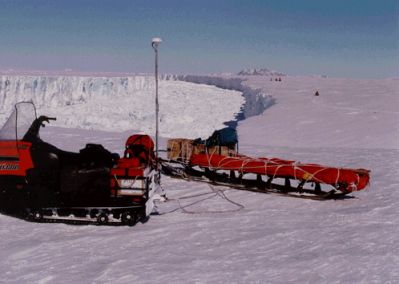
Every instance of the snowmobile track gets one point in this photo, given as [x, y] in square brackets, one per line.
[112, 216]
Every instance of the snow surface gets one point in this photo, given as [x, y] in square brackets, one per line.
[348, 113]
[253, 238]
[123, 103]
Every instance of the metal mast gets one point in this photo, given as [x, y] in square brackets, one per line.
[155, 43]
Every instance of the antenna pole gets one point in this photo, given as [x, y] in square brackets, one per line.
[155, 43]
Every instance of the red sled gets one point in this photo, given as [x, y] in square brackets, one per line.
[216, 160]
[342, 179]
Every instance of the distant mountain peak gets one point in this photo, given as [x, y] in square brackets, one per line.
[259, 72]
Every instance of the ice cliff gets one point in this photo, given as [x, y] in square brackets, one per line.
[123, 103]
[256, 101]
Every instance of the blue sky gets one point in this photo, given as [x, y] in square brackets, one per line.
[340, 38]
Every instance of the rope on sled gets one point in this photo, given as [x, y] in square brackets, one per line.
[298, 171]
[306, 176]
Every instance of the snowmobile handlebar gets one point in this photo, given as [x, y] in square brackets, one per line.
[47, 119]
[33, 132]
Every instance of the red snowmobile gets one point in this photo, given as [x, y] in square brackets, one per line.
[41, 182]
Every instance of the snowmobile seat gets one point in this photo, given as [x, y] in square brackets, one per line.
[96, 156]
[45, 155]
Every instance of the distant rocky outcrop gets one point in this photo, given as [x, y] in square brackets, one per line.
[259, 72]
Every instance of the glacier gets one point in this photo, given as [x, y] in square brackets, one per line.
[256, 99]
[123, 103]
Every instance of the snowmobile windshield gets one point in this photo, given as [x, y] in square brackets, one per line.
[18, 122]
